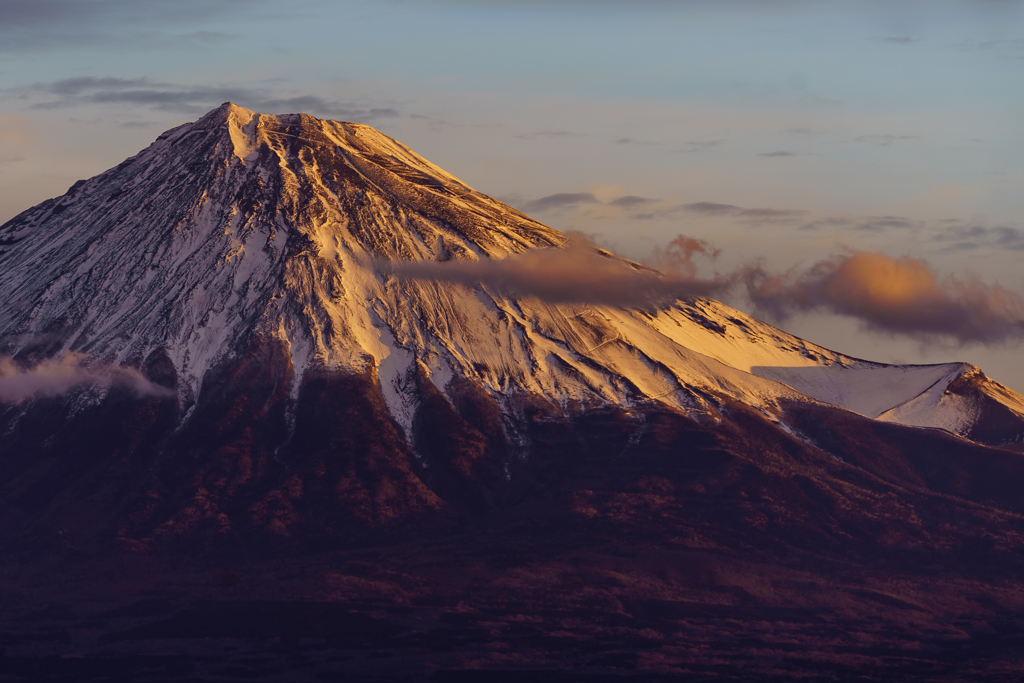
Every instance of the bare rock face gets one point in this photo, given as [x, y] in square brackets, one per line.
[269, 383]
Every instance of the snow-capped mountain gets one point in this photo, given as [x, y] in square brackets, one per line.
[236, 263]
[241, 223]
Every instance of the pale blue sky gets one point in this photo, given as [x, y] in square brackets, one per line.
[896, 127]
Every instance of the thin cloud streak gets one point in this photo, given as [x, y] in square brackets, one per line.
[634, 141]
[161, 96]
[697, 146]
[631, 200]
[716, 210]
[964, 236]
[876, 224]
[647, 208]
[710, 208]
[561, 200]
[1012, 48]
[56, 376]
[577, 274]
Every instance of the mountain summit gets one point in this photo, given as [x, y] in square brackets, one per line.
[235, 266]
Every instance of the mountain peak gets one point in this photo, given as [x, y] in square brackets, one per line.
[226, 114]
[236, 109]
[242, 224]
[225, 111]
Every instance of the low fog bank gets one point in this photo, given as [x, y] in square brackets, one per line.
[55, 376]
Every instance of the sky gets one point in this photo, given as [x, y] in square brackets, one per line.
[786, 134]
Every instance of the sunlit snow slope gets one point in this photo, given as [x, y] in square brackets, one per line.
[245, 224]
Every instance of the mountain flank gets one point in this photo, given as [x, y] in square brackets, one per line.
[228, 387]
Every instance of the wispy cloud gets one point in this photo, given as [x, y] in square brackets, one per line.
[1007, 48]
[714, 209]
[780, 153]
[163, 96]
[70, 87]
[630, 201]
[827, 222]
[699, 146]
[771, 214]
[561, 200]
[647, 208]
[710, 208]
[864, 223]
[962, 235]
[881, 223]
[579, 273]
[634, 141]
[677, 258]
[57, 376]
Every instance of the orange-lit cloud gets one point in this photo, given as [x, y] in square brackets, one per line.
[901, 295]
[896, 295]
[57, 376]
[677, 258]
[578, 273]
